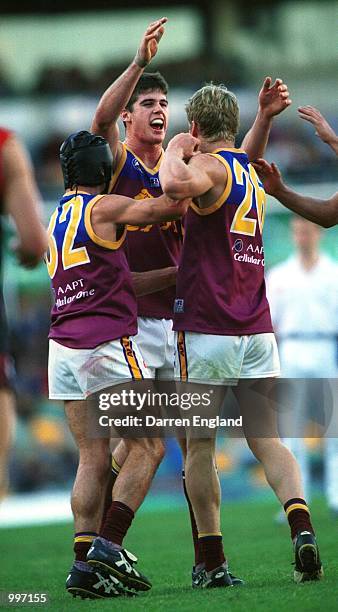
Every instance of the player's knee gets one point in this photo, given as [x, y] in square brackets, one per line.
[157, 450]
[151, 448]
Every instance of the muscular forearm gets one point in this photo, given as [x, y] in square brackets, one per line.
[175, 176]
[115, 98]
[322, 212]
[153, 280]
[255, 141]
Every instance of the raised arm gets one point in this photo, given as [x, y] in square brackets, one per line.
[320, 211]
[186, 173]
[323, 129]
[21, 199]
[272, 100]
[117, 95]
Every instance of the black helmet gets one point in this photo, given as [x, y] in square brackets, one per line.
[86, 159]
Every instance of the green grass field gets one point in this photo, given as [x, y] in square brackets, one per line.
[37, 560]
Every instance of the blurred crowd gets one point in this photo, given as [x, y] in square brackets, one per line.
[56, 79]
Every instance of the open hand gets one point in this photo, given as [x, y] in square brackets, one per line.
[273, 99]
[323, 129]
[149, 43]
[269, 175]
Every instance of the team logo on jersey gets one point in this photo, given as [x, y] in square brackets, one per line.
[154, 181]
[136, 164]
[179, 305]
[238, 245]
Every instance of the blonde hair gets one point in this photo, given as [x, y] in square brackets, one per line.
[215, 110]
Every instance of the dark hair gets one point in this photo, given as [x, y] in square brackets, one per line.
[149, 81]
[86, 159]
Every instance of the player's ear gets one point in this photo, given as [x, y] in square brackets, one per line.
[194, 129]
[125, 115]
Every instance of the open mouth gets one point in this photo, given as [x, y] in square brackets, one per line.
[157, 124]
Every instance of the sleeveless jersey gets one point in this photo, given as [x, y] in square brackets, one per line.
[153, 246]
[220, 284]
[4, 136]
[94, 298]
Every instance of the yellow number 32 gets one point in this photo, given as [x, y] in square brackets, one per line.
[70, 256]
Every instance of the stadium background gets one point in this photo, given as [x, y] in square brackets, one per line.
[54, 65]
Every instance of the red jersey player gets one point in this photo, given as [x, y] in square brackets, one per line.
[18, 198]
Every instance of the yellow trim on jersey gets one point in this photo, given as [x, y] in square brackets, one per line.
[149, 170]
[85, 538]
[232, 150]
[119, 167]
[223, 197]
[182, 356]
[76, 193]
[131, 359]
[107, 244]
[297, 507]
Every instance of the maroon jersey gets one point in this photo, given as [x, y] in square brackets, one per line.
[220, 284]
[91, 281]
[153, 246]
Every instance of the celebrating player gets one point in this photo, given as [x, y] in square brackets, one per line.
[222, 315]
[93, 319]
[324, 131]
[18, 198]
[140, 99]
[324, 212]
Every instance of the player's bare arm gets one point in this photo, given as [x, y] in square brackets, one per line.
[151, 281]
[323, 129]
[187, 173]
[120, 210]
[117, 95]
[272, 100]
[322, 212]
[22, 203]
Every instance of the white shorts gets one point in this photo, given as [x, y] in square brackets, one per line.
[74, 374]
[222, 360]
[156, 341]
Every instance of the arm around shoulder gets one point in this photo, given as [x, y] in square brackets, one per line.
[121, 210]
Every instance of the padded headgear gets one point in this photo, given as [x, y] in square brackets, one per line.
[86, 159]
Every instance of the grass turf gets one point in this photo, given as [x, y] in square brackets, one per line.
[36, 559]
